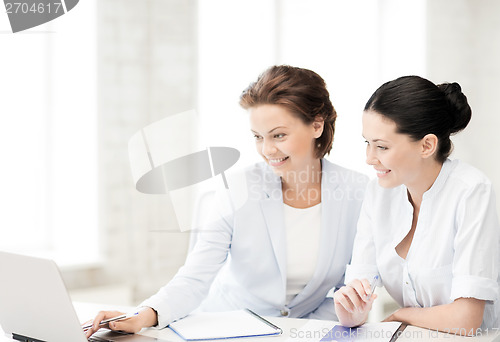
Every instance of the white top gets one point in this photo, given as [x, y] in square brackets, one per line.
[303, 227]
[455, 251]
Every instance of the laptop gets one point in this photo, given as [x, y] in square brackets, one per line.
[35, 305]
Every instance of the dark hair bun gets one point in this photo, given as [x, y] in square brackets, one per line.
[459, 108]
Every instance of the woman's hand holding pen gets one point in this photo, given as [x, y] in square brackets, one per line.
[146, 317]
[353, 302]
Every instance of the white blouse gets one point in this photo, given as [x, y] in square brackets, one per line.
[303, 227]
[455, 251]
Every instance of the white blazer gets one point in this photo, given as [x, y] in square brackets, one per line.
[245, 247]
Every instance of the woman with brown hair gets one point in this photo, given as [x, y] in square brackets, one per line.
[286, 247]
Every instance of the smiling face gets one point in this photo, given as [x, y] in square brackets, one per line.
[396, 158]
[284, 141]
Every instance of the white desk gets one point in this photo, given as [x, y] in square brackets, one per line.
[294, 330]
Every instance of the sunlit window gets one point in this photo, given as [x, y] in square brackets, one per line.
[49, 137]
[354, 45]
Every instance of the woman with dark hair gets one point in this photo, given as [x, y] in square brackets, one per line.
[428, 229]
[282, 250]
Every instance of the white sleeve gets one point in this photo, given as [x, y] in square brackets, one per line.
[191, 284]
[363, 262]
[477, 246]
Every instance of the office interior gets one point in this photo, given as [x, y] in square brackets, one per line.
[75, 90]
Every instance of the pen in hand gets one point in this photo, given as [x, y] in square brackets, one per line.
[114, 319]
[373, 285]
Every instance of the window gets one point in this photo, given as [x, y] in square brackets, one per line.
[354, 45]
[49, 137]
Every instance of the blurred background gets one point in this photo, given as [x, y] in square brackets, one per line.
[74, 91]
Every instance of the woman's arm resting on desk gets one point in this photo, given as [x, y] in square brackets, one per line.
[147, 317]
[462, 317]
[352, 304]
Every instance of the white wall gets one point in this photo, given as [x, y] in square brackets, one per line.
[463, 45]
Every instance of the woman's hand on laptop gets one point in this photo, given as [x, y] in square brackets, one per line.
[146, 317]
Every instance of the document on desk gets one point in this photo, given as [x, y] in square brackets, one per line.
[203, 326]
